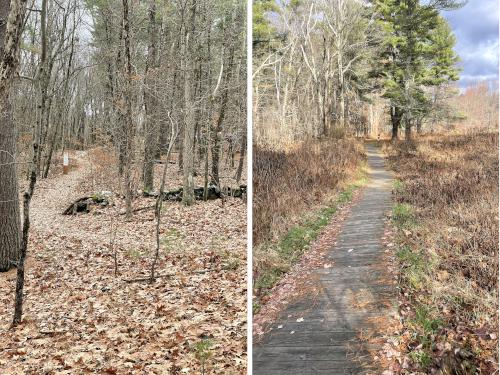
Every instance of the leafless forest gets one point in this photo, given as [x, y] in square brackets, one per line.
[123, 186]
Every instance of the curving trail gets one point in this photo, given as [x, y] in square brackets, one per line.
[335, 328]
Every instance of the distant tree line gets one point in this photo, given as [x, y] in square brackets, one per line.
[319, 64]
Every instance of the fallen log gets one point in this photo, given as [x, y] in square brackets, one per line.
[239, 192]
[213, 193]
[83, 204]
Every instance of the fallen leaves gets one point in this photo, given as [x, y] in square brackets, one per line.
[80, 318]
[296, 282]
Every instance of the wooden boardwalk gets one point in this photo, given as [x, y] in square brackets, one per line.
[325, 331]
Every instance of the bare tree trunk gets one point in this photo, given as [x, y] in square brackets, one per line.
[11, 18]
[198, 112]
[18, 307]
[408, 127]
[340, 20]
[51, 150]
[150, 101]
[189, 114]
[395, 120]
[120, 140]
[205, 169]
[109, 86]
[43, 85]
[216, 131]
[208, 116]
[129, 124]
[241, 162]
[419, 126]
[9, 198]
[159, 203]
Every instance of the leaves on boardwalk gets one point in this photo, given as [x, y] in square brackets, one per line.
[296, 283]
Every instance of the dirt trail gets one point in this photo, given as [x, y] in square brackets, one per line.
[335, 327]
[55, 193]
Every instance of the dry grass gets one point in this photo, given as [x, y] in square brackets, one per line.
[296, 195]
[447, 212]
[286, 183]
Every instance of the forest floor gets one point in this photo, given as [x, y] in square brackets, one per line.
[79, 317]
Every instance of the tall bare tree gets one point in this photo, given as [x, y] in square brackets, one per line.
[11, 20]
[150, 100]
[189, 107]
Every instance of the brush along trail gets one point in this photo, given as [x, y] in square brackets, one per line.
[336, 325]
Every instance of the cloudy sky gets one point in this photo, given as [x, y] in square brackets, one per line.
[476, 28]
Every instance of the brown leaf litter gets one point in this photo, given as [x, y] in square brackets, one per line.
[80, 318]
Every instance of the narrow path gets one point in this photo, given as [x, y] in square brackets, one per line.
[55, 193]
[330, 330]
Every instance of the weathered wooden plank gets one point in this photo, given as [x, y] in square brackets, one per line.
[344, 299]
[283, 337]
[308, 368]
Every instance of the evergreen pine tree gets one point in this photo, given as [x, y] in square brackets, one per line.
[417, 52]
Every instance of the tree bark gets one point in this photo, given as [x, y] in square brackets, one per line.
[217, 129]
[9, 198]
[151, 103]
[11, 18]
[189, 114]
[242, 156]
[18, 306]
[128, 123]
[408, 127]
[419, 126]
[395, 120]
[208, 114]
[40, 129]
[11, 21]
[119, 102]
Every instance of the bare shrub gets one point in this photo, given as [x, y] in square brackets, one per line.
[288, 182]
[103, 161]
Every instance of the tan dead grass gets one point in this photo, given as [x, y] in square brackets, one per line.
[286, 183]
[451, 183]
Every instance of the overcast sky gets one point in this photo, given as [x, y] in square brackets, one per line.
[476, 28]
